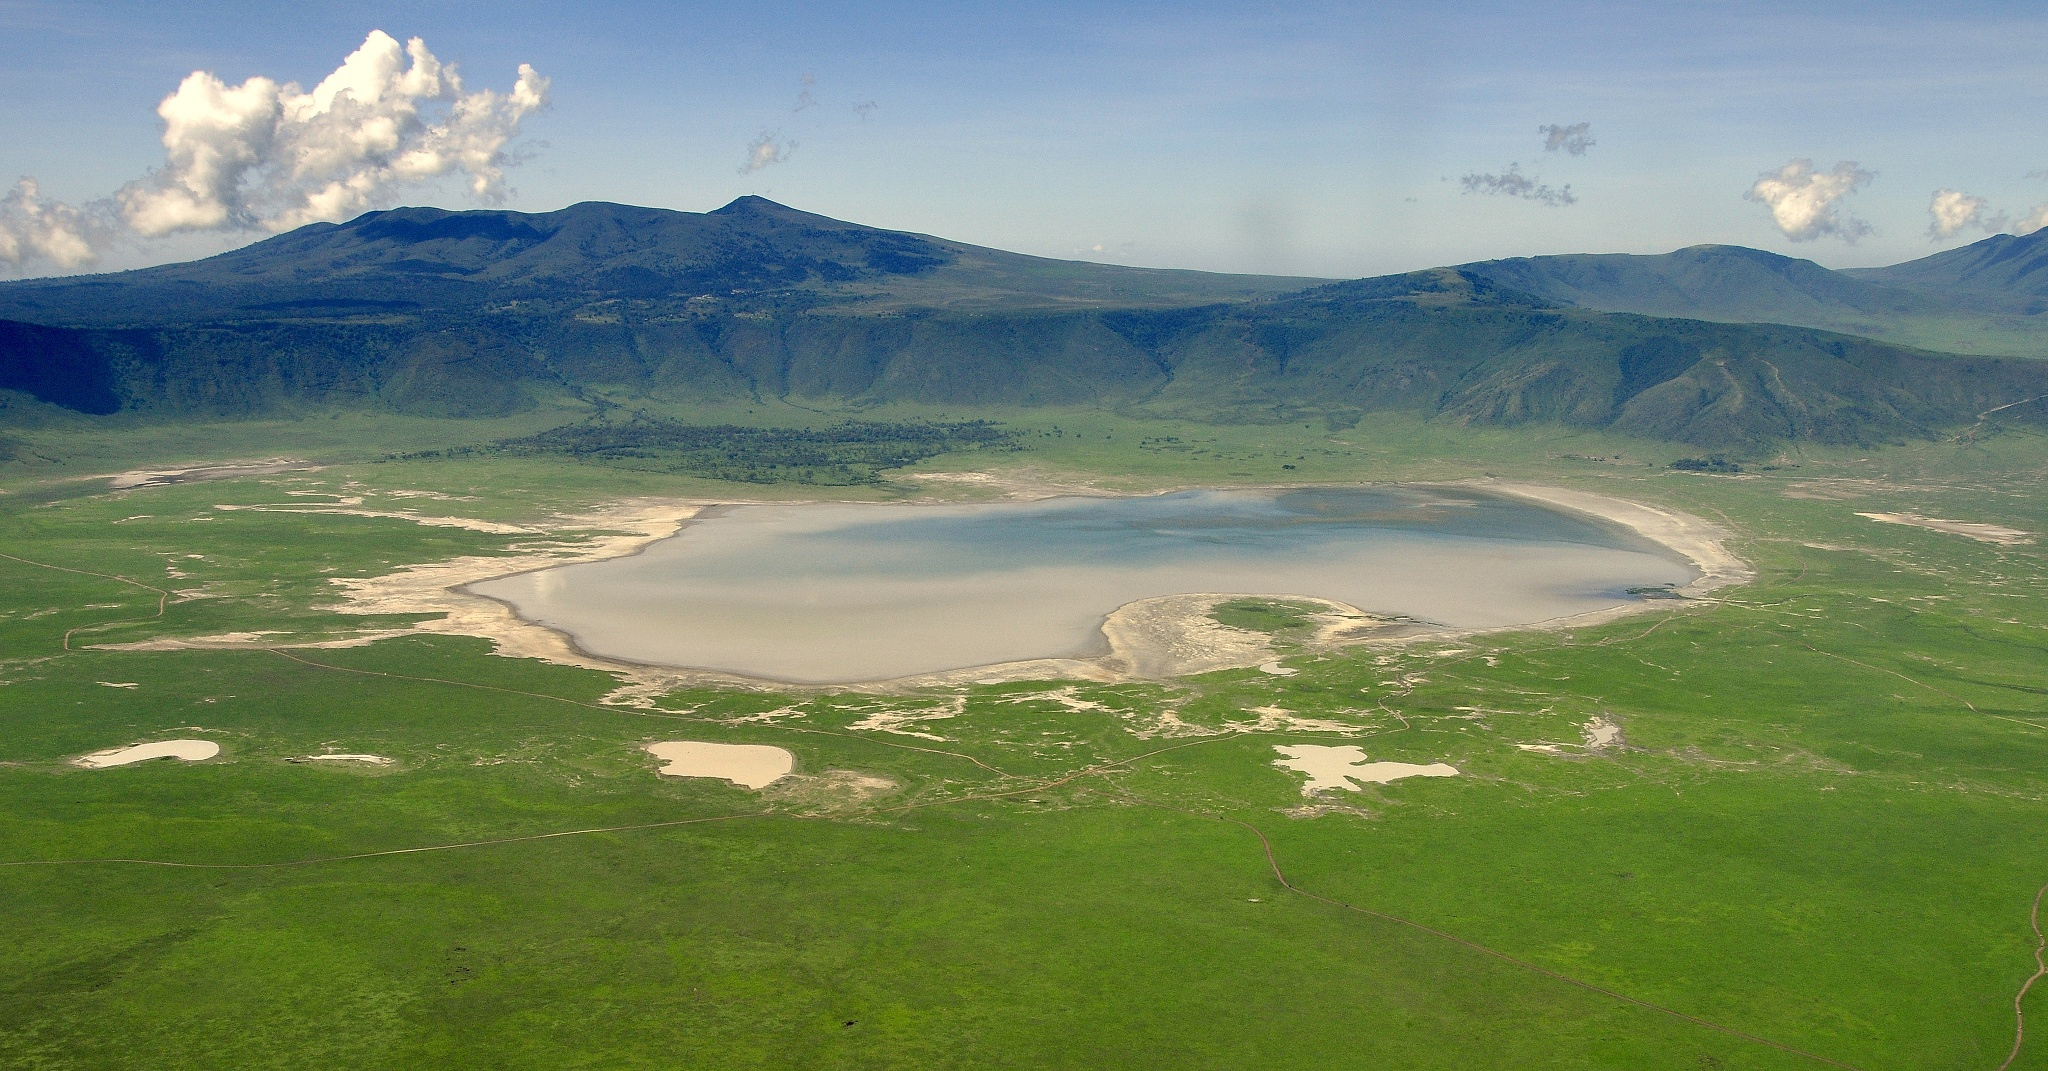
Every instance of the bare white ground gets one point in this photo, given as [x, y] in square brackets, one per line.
[1345, 766]
[368, 760]
[1280, 719]
[745, 765]
[187, 750]
[121, 481]
[1601, 733]
[1982, 533]
[470, 523]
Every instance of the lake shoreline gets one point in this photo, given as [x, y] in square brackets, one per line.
[1148, 639]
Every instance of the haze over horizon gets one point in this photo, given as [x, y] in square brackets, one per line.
[1332, 141]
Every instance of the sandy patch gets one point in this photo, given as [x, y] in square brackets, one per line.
[184, 750]
[1021, 483]
[1174, 636]
[903, 722]
[367, 760]
[1280, 719]
[1839, 488]
[1601, 733]
[1167, 637]
[122, 481]
[1982, 533]
[1596, 735]
[471, 523]
[1345, 766]
[831, 791]
[117, 684]
[746, 765]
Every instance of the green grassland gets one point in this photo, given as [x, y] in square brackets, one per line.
[1823, 834]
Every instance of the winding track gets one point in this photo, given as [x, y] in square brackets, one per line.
[163, 597]
[2019, 1014]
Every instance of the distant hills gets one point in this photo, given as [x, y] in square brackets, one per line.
[1985, 298]
[462, 313]
[2001, 274]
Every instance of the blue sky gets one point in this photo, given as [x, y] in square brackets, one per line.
[1310, 139]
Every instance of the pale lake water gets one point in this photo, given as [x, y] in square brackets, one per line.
[851, 592]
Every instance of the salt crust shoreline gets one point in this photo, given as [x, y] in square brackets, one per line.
[1151, 639]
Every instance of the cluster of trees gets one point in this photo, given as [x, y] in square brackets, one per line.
[856, 452]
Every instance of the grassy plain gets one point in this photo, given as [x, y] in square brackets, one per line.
[1823, 833]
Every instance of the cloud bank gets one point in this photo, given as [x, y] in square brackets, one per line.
[1512, 183]
[1572, 140]
[1803, 202]
[270, 157]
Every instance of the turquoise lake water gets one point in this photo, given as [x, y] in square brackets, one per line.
[854, 592]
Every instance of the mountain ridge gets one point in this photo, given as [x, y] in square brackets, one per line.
[2004, 273]
[411, 257]
[474, 313]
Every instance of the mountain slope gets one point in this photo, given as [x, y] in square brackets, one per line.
[485, 312]
[1493, 358]
[2001, 274]
[1733, 284]
[1728, 283]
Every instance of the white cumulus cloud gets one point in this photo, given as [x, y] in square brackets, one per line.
[32, 228]
[1803, 202]
[272, 156]
[1954, 212]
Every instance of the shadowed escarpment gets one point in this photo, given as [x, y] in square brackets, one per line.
[475, 313]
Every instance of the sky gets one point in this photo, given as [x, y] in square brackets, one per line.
[1334, 140]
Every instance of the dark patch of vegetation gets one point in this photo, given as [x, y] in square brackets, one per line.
[856, 452]
[1263, 615]
[1714, 463]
